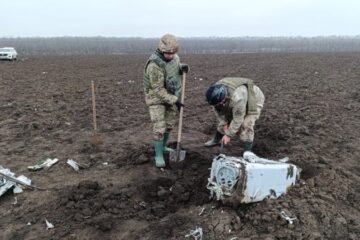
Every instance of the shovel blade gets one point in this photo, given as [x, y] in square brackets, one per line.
[178, 155]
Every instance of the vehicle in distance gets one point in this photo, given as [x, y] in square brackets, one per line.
[8, 53]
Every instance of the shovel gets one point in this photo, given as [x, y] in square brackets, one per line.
[179, 155]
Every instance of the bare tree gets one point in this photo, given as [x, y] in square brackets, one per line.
[201, 45]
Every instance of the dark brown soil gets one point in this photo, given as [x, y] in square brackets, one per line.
[311, 115]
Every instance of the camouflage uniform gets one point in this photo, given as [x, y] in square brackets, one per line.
[237, 112]
[162, 86]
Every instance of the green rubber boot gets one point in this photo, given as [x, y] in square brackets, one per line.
[159, 153]
[215, 140]
[248, 146]
[166, 137]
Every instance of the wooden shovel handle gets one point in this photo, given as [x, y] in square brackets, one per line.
[93, 105]
[182, 108]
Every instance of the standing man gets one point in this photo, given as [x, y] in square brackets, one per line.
[237, 103]
[162, 86]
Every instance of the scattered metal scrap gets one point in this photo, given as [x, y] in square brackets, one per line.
[49, 225]
[8, 180]
[75, 165]
[287, 218]
[46, 164]
[202, 211]
[197, 234]
[253, 178]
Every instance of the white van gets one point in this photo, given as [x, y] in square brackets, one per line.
[8, 53]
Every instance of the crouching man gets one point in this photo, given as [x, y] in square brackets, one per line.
[162, 87]
[237, 103]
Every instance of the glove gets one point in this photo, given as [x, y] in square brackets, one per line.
[184, 68]
[171, 88]
[179, 105]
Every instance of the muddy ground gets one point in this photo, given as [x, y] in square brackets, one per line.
[311, 115]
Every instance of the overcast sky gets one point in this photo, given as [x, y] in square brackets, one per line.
[183, 18]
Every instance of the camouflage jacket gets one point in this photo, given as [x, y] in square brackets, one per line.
[235, 109]
[162, 80]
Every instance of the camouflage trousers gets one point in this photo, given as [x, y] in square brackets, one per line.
[163, 118]
[246, 131]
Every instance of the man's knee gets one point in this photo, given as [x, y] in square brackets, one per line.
[158, 136]
[159, 129]
[247, 135]
[247, 128]
[169, 129]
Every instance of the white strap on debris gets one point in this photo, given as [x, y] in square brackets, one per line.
[287, 218]
[197, 234]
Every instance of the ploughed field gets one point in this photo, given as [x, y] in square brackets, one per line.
[311, 115]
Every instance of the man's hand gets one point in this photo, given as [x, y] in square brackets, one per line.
[184, 68]
[226, 127]
[225, 139]
[179, 105]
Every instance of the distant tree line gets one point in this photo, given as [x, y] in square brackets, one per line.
[106, 45]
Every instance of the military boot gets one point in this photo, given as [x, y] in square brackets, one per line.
[248, 146]
[215, 140]
[166, 137]
[159, 153]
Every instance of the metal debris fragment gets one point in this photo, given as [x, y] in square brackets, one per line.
[46, 164]
[76, 166]
[17, 189]
[284, 160]
[197, 234]
[73, 164]
[143, 204]
[202, 211]
[22, 180]
[255, 178]
[8, 180]
[287, 218]
[49, 225]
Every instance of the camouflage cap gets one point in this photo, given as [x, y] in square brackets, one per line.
[168, 43]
